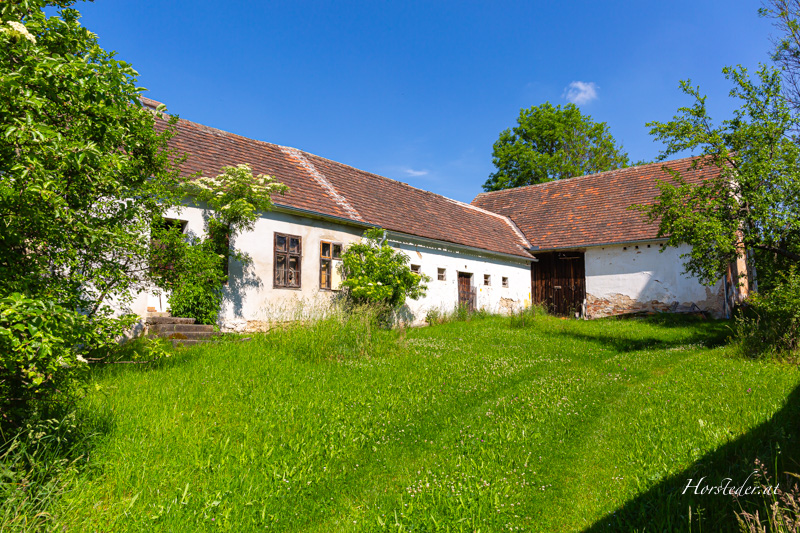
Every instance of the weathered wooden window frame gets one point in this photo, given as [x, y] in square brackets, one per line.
[487, 280]
[505, 282]
[287, 254]
[441, 274]
[416, 269]
[326, 263]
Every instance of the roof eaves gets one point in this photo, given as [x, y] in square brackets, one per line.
[483, 251]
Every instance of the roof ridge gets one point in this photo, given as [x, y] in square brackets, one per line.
[404, 184]
[596, 174]
[322, 180]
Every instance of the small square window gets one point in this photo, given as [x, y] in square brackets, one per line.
[487, 279]
[505, 282]
[441, 274]
[415, 269]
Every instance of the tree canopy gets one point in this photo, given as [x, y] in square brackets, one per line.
[753, 203]
[551, 143]
[786, 14]
[83, 171]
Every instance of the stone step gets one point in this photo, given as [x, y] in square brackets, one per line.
[186, 342]
[191, 335]
[169, 328]
[168, 320]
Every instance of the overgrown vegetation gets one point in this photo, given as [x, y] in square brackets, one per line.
[751, 208]
[194, 270]
[83, 171]
[375, 274]
[489, 424]
[770, 324]
[191, 269]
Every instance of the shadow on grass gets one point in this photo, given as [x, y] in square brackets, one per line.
[705, 333]
[665, 507]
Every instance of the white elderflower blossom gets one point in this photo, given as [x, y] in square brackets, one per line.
[22, 30]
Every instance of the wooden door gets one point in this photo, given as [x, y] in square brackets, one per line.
[559, 282]
[466, 292]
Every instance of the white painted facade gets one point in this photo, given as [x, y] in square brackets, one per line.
[252, 303]
[639, 276]
[442, 295]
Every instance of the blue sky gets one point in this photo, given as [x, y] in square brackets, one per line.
[419, 91]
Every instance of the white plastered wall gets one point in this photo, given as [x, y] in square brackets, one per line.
[252, 303]
[638, 277]
[443, 295]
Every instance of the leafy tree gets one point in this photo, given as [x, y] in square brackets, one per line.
[82, 169]
[753, 200]
[235, 197]
[375, 273]
[552, 143]
[786, 14]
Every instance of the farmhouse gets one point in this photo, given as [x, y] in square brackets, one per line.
[597, 255]
[570, 245]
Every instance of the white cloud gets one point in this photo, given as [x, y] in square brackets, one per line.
[580, 92]
[414, 173]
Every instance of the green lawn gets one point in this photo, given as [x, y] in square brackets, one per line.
[486, 425]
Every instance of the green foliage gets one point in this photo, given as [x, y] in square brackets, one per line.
[82, 167]
[374, 273]
[341, 333]
[770, 323]
[191, 269]
[236, 196]
[45, 349]
[37, 464]
[753, 202]
[786, 14]
[551, 143]
[195, 271]
[527, 316]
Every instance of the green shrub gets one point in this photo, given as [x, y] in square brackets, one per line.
[44, 350]
[374, 273]
[197, 293]
[770, 323]
[192, 270]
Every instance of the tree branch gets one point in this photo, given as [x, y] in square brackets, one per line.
[781, 251]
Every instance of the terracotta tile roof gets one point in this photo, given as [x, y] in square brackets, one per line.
[587, 210]
[323, 186]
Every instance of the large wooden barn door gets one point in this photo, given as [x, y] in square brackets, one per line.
[466, 292]
[559, 282]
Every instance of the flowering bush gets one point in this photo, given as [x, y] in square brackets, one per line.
[375, 273]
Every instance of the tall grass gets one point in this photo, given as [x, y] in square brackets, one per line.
[336, 333]
[526, 422]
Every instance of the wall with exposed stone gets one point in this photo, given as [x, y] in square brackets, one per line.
[634, 278]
